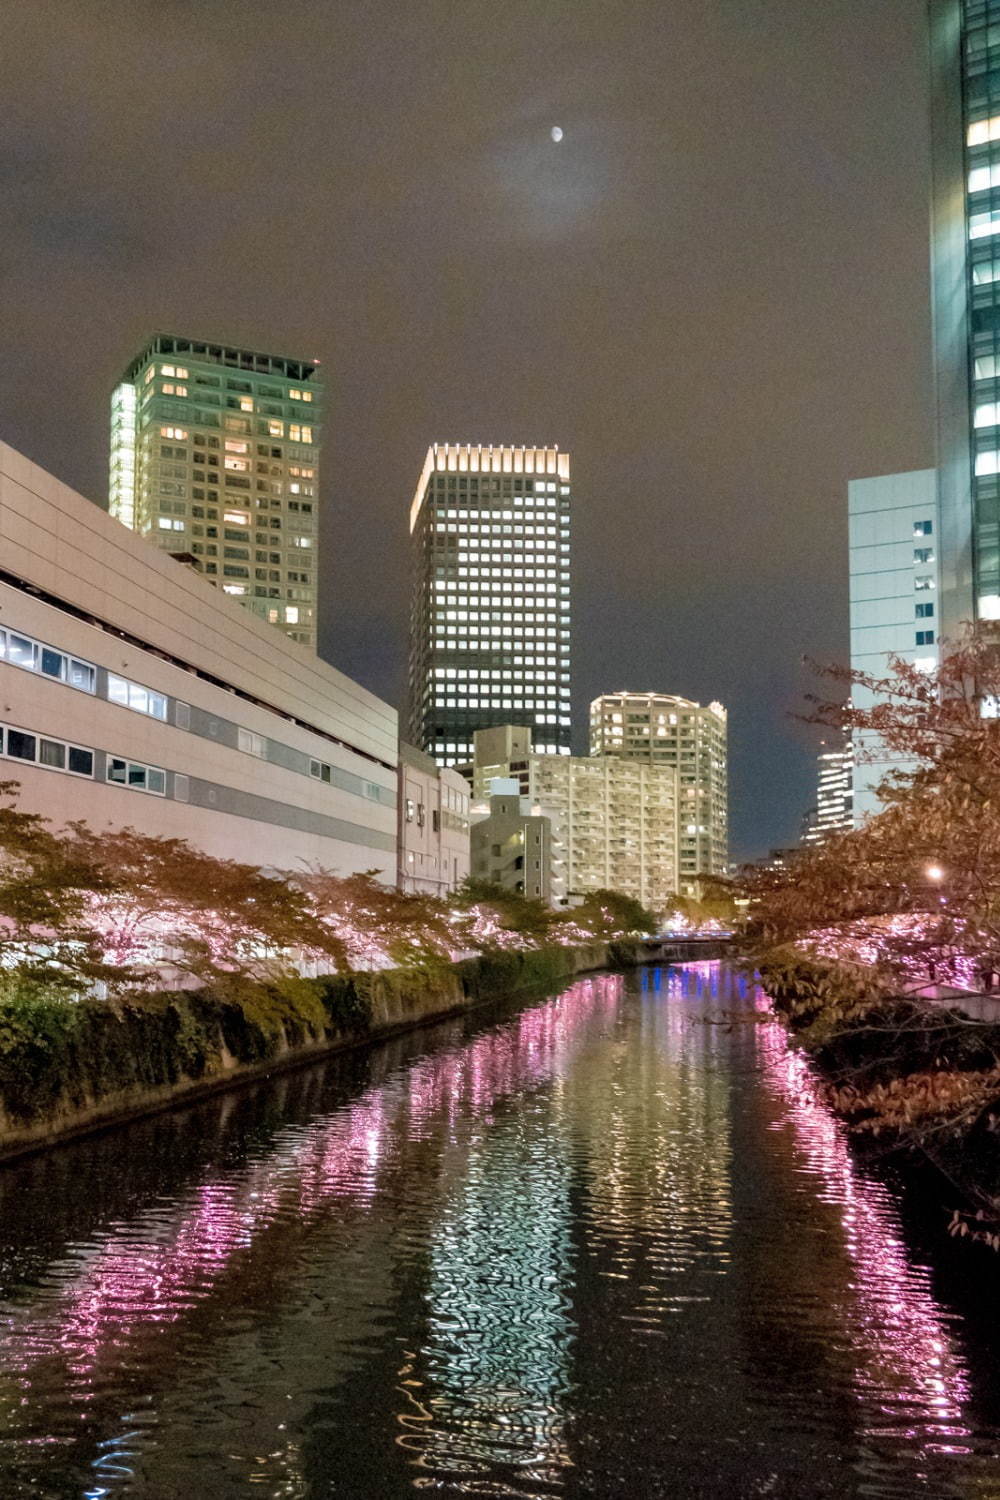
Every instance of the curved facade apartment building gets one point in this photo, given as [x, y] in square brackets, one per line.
[133, 693]
[665, 730]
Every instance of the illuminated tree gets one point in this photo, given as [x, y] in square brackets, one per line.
[933, 855]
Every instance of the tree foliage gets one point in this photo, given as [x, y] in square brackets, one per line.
[934, 852]
[123, 909]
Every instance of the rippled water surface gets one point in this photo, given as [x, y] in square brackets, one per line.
[607, 1244]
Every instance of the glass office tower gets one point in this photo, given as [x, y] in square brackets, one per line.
[490, 616]
[965, 76]
[215, 458]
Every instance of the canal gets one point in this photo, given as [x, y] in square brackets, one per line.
[603, 1244]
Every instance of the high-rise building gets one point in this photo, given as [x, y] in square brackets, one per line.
[490, 617]
[896, 594]
[834, 795]
[215, 458]
[965, 83]
[671, 731]
[614, 821]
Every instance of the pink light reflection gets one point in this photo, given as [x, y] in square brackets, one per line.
[905, 1359]
[140, 1278]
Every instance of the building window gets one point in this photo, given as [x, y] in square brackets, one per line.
[252, 744]
[133, 695]
[137, 777]
[925, 611]
[925, 637]
[410, 809]
[56, 755]
[33, 656]
[923, 555]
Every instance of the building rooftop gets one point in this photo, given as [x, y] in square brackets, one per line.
[480, 458]
[252, 361]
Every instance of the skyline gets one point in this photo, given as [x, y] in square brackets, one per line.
[435, 253]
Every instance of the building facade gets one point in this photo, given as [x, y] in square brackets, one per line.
[136, 695]
[215, 459]
[614, 821]
[512, 844]
[965, 91]
[490, 615]
[665, 730]
[433, 825]
[833, 812]
[896, 588]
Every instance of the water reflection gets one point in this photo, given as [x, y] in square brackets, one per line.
[910, 1381]
[612, 1245]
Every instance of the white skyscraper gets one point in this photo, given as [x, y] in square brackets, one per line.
[490, 616]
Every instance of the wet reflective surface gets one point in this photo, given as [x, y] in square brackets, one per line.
[607, 1244]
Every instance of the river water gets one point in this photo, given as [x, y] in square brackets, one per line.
[603, 1244]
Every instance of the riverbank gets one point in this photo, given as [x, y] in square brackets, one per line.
[919, 1076]
[68, 1067]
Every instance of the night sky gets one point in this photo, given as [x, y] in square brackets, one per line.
[713, 291]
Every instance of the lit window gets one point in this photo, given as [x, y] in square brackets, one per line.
[988, 463]
[166, 524]
[981, 226]
[291, 614]
[246, 404]
[237, 517]
[987, 414]
[276, 429]
[173, 432]
[984, 130]
[141, 700]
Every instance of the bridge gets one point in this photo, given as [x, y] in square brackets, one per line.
[683, 950]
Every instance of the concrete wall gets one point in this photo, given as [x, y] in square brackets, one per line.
[109, 1065]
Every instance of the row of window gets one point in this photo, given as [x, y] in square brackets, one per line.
[57, 755]
[78, 760]
[33, 656]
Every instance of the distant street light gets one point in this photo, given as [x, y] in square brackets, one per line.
[934, 872]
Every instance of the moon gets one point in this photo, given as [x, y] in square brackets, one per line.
[556, 133]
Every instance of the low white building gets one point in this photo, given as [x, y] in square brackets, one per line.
[513, 843]
[433, 824]
[895, 587]
[133, 693]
